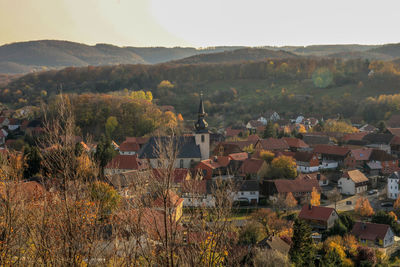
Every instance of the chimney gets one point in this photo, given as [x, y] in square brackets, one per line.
[318, 176]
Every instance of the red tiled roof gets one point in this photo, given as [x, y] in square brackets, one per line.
[127, 162]
[395, 140]
[250, 166]
[129, 146]
[233, 132]
[331, 150]
[311, 176]
[273, 144]
[370, 231]
[139, 140]
[179, 175]
[296, 186]
[361, 153]
[253, 138]
[295, 142]
[239, 156]
[315, 213]
[304, 156]
[194, 186]
[173, 200]
[356, 176]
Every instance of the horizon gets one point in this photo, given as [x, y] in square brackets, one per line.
[156, 23]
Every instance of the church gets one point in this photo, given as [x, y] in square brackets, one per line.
[190, 149]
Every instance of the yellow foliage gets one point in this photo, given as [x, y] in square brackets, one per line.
[165, 84]
[393, 215]
[290, 201]
[339, 127]
[266, 155]
[315, 197]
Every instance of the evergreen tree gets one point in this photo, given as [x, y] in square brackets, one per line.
[269, 130]
[302, 252]
[33, 160]
[104, 153]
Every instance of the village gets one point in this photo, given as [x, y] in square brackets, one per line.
[323, 178]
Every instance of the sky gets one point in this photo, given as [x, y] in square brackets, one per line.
[201, 23]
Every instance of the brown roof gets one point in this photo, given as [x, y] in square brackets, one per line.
[370, 231]
[275, 243]
[239, 156]
[253, 138]
[395, 140]
[354, 136]
[233, 132]
[179, 175]
[331, 150]
[127, 162]
[380, 155]
[356, 176]
[173, 200]
[394, 121]
[296, 186]
[129, 146]
[304, 156]
[251, 166]
[139, 140]
[361, 153]
[394, 131]
[312, 176]
[295, 142]
[194, 186]
[315, 213]
[273, 144]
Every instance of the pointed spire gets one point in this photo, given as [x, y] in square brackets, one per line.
[201, 125]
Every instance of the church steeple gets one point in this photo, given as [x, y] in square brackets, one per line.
[201, 124]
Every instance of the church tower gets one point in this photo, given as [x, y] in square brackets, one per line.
[202, 136]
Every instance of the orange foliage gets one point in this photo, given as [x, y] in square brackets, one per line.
[363, 207]
[290, 201]
[315, 197]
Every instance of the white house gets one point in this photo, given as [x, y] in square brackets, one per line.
[393, 185]
[328, 164]
[197, 193]
[248, 190]
[353, 182]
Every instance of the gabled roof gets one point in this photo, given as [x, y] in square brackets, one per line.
[356, 176]
[139, 140]
[251, 166]
[395, 140]
[304, 156]
[370, 231]
[129, 146]
[273, 144]
[249, 185]
[275, 243]
[173, 200]
[394, 131]
[311, 139]
[312, 176]
[296, 186]
[319, 213]
[361, 153]
[179, 175]
[126, 162]
[186, 146]
[295, 142]
[380, 155]
[239, 156]
[331, 150]
[255, 123]
[230, 132]
[378, 138]
[253, 138]
[367, 128]
[395, 175]
[354, 136]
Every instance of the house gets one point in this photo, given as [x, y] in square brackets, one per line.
[296, 144]
[271, 144]
[216, 166]
[233, 132]
[177, 177]
[353, 182]
[393, 185]
[357, 158]
[368, 128]
[322, 179]
[248, 190]
[274, 242]
[379, 141]
[253, 125]
[395, 146]
[388, 162]
[226, 148]
[172, 202]
[251, 168]
[129, 148]
[353, 137]
[124, 163]
[299, 187]
[319, 217]
[13, 124]
[124, 181]
[141, 141]
[198, 193]
[373, 234]
[331, 156]
[306, 162]
[394, 121]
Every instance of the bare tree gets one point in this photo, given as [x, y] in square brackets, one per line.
[334, 196]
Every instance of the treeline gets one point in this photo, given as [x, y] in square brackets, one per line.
[324, 87]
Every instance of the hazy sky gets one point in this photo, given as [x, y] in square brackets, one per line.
[201, 23]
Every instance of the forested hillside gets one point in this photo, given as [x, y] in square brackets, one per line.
[234, 92]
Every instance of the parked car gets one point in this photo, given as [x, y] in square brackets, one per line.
[371, 192]
[387, 204]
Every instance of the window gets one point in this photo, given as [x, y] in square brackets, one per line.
[252, 193]
[242, 193]
[181, 164]
[202, 138]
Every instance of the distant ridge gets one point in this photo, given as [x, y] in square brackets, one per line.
[24, 57]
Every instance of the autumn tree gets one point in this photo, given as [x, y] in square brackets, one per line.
[363, 207]
[290, 201]
[267, 156]
[111, 125]
[315, 197]
[282, 167]
[334, 196]
[252, 233]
